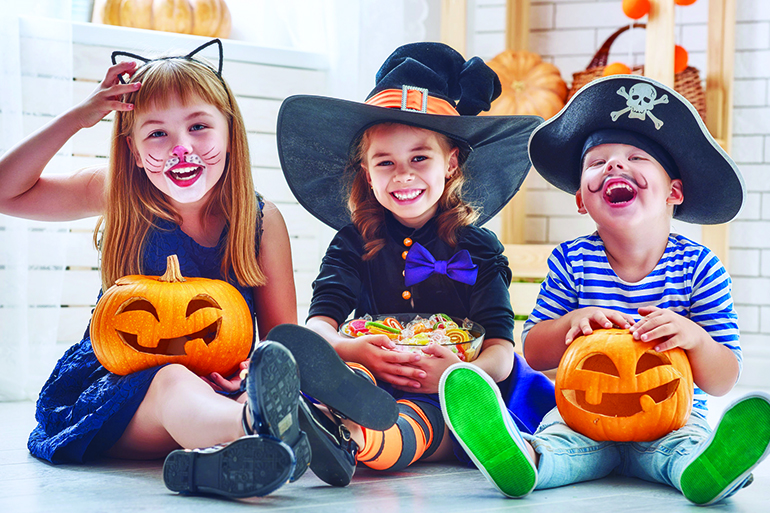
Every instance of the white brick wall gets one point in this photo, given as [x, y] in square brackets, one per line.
[568, 33]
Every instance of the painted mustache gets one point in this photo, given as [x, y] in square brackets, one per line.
[641, 185]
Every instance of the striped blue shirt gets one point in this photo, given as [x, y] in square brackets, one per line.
[689, 279]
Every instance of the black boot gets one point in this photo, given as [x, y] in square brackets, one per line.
[272, 389]
[327, 379]
[248, 467]
[334, 452]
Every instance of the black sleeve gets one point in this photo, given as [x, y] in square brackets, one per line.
[336, 289]
[490, 302]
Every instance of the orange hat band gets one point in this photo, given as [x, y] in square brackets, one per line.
[414, 99]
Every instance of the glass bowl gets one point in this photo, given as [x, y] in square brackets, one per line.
[469, 349]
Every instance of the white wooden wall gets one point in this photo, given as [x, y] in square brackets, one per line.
[261, 78]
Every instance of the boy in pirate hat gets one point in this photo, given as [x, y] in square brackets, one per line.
[407, 178]
[635, 154]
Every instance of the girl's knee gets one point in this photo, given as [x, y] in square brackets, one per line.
[173, 374]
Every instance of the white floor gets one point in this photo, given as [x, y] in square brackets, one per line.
[29, 485]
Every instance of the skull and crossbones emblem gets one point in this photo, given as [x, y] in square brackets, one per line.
[640, 100]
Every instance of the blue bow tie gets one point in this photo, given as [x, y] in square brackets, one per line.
[420, 264]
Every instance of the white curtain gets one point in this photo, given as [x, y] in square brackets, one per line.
[35, 85]
[361, 35]
[356, 35]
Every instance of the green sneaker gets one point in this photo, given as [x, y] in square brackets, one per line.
[740, 441]
[475, 412]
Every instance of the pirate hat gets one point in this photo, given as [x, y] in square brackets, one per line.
[426, 85]
[629, 108]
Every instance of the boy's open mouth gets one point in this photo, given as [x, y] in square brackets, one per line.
[618, 192]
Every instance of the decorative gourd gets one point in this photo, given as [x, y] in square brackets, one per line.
[210, 18]
[681, 58]
[146, 321]
[616, 68]
[611, 387]
[636, 9]
[529, 85]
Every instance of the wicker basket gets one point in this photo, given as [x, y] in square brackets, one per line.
[687, 82]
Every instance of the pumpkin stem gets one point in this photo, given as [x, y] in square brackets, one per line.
[173, 273]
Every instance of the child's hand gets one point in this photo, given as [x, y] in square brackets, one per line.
[222, 384]
[107, 96]
[377, 353]
[585, 320]
[438, 359]
[672, 329]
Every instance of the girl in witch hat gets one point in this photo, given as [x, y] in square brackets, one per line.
[407, 177]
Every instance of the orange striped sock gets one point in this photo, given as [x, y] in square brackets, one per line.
[359, 367]
[402, 444]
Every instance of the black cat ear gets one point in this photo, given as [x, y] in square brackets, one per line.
[116, 56]
[206, 45]
[128, 56]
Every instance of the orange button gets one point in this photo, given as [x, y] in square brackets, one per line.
[406, 294]
[407, 242]
[403, 255]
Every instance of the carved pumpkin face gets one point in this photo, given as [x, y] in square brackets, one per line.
[611, 387]
[146, 321]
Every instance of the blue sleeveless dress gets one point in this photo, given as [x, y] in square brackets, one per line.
[83, 408]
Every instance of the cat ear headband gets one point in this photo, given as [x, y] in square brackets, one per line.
[189, 57]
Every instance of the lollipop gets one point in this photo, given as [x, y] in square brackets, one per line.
[457, 336]
[393, 323]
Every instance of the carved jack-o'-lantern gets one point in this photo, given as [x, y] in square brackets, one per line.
[145, 321]
[611, 387]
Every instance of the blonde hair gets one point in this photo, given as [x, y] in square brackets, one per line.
[133, 203]
[369, 216]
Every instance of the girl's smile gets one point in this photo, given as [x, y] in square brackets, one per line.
[182, 148]
[407, 195]
[184, 170]
[407, 168]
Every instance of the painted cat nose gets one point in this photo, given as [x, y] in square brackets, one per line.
[179, 151]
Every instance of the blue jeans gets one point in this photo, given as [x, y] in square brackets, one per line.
[568, 457]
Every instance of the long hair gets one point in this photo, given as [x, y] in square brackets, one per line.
[368, 215]
[133, 203]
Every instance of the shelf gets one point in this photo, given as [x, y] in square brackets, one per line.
[94, 34]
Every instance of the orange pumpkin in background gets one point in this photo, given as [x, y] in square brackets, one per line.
[210, 18]
[611, 387]
[146, 321]
[529, 85]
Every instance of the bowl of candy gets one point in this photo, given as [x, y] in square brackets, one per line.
[412, 332]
